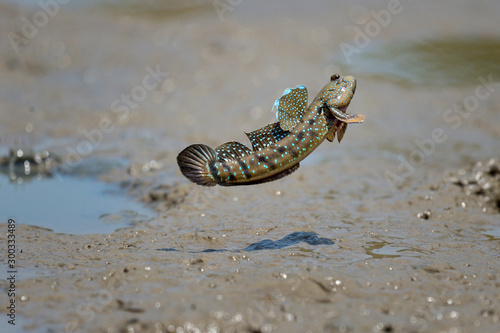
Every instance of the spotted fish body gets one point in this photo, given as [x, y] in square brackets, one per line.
[278, 147]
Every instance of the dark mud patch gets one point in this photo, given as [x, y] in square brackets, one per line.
[267, 244]
[291, 239]
[161, 197]
[480, 184]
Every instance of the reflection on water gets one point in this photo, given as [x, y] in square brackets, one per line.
[431, 63]
[34, 193]
[72, 205]
[382, 249]
[492, 233]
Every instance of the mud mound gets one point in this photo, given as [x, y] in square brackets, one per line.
[480, 183]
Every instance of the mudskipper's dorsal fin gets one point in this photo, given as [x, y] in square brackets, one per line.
[266, 136]
[290, 107]
[231, 150]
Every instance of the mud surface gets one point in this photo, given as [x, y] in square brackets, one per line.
[396, 229]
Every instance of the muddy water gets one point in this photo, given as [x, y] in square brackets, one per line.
[395, 229]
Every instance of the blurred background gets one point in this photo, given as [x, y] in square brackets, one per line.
[98, 97]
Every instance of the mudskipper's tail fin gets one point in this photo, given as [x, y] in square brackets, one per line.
[194, 162]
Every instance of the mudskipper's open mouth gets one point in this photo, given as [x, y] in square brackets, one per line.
[342, 115]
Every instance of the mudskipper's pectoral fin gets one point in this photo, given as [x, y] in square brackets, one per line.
[355, 118]
[331, 135]
[337, 127]
[348, 118]
[266, 136]
[290, 107]
[340, 131]
[337, 123]
[231, 151]
[351, 119]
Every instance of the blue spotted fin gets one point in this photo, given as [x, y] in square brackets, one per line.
[290, 107]
[278, 148]
[266, 136]
[231, 151]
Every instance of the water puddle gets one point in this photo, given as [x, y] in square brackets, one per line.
[65, 203]
[430, 63]
[383, 249]
[492, 233]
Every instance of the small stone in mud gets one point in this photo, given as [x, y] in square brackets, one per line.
[425, 215]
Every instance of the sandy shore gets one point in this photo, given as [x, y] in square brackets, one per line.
[406, 208]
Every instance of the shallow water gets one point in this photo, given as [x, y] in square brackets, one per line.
[430, 63]
[94, 206]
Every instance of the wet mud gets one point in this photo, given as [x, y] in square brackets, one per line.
[396, 229]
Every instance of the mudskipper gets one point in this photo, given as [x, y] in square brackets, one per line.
[278, 147]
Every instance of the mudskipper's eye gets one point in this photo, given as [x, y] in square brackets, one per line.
[334, 77]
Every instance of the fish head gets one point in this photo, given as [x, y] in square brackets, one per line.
[336, 96]
[338, 92]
